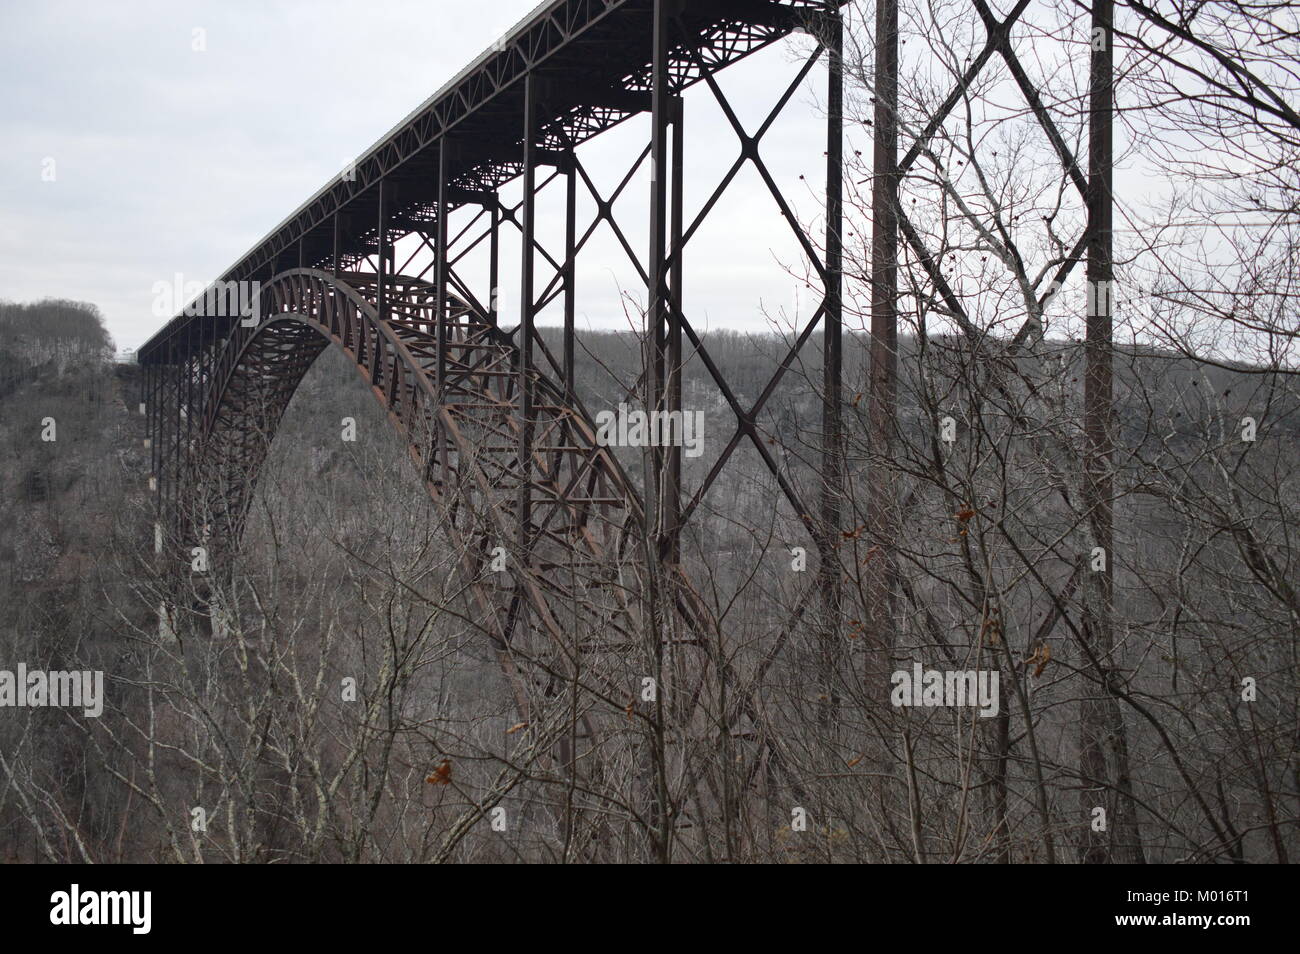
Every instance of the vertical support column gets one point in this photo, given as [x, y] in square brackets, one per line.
[335, 254]
[160, 432]
[165, 433]
[202, 375]
[672, 495]
[570, 240]
[160, 438]
[151, 418]
[156, 431]
[381, 279]
[151, 426]
[882, 407]
[142, 406]
[494, 260]
[188, 368]
[440, 273]
[176, 457]
[526, 329]
[166, 440]
[832, 353]
[658, 302]
[658, 305]
[1101, 729]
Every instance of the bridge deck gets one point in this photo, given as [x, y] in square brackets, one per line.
[591, 63]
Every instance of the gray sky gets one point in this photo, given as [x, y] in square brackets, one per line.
[167, 159]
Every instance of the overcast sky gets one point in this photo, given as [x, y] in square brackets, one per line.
[130, 156]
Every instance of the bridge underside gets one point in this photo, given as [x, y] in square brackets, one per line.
[491, 414]
[594, 578]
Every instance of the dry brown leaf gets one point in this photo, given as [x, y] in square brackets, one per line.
[1039, 658]
[1044, 657]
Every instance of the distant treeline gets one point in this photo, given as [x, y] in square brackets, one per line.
[53, 331]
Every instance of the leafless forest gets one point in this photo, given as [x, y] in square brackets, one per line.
[333, 697]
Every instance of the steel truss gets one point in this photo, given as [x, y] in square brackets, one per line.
[489, 411]
[574, 70]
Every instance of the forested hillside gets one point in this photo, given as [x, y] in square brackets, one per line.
[236, 701]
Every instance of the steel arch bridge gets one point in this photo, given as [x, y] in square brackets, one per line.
[490, 415]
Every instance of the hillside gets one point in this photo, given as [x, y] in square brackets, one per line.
[230, 703]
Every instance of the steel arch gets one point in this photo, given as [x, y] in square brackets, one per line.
[579, 572]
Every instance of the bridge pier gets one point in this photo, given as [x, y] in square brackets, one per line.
[882, 408]
[663, 311]
[832, 463]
